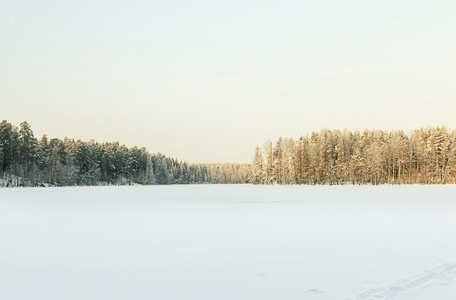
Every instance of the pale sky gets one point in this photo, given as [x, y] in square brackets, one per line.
[208, 81]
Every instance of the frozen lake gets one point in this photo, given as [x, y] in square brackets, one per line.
[228, 242]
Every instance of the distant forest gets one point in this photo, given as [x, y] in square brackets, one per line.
[425, 156]
[27, 161]
[330, 157]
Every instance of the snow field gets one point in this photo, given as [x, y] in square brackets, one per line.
[228, 242]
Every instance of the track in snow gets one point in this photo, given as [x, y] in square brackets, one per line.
[439, 275]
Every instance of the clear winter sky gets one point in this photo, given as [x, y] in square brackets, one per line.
[208, 81]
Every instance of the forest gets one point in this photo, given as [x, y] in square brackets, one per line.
[28, 161]
[425, 156]
[328, 157]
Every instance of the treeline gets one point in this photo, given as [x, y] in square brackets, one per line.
[28, 161]
[425, 156]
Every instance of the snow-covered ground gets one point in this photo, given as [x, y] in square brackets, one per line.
[228, 242]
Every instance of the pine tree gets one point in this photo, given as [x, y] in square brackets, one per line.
[257, 167]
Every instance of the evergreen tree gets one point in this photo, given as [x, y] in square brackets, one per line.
[257, 167]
